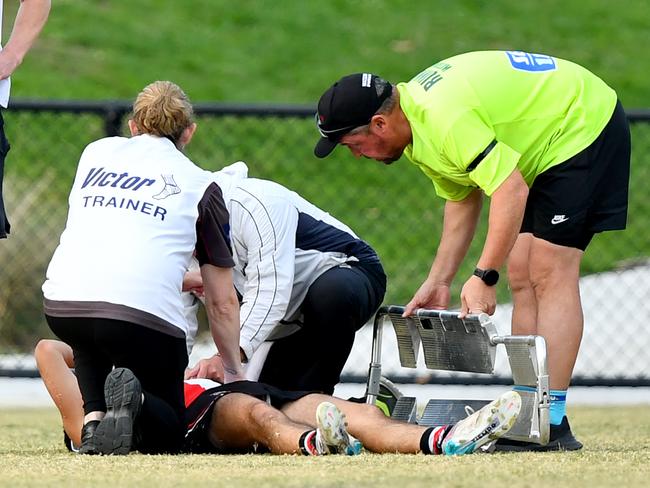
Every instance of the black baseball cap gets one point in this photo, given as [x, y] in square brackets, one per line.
[347, 104]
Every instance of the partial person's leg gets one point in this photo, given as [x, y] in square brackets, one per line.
[4, 148]
[92, 365]
[555, 273]
[54, 360]
[91, 369]
[158, 361]
[524, 312]
[337, 304]
[240, 421]
[555, 278]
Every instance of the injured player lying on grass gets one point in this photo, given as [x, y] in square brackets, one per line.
[247, 416]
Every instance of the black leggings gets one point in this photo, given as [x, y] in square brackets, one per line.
[158, 360]
[4, 148]
[337, 304]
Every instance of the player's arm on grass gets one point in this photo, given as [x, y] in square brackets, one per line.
[54, 360]
[459, 225]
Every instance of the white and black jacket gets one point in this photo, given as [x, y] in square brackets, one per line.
[281, 244]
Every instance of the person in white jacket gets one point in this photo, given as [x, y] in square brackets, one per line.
[307, 284]
[139, 209]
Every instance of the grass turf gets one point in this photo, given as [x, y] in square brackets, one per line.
[616, 453]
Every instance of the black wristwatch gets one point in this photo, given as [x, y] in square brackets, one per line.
[489, 276]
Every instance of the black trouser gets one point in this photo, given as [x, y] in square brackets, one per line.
[4, 149]
[337, 304]
[158, 360]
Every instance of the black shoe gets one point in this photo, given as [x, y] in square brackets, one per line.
[69, 445]
[87, 439]
[560, 439]
[67, 442]
[123, 393]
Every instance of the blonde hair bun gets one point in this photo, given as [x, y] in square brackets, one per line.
[163, 109]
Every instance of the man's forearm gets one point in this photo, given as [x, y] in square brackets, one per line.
[30, 19]
[224, 326]
[458, 230]
[507, 207]
[222, 308]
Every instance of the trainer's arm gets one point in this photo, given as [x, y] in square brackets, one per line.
[507, 206]
[222, 308]
[215, 258]
[460, 220]
[30, 19]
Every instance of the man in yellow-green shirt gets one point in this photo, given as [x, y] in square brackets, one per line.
[545, 139]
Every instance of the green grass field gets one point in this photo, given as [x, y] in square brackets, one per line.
[289, 50]
[616, 454]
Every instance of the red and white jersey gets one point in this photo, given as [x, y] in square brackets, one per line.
[193, 389]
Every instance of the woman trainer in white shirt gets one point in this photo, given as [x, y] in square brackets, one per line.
[138, 210]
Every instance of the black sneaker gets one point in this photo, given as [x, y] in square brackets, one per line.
[67, 442]
[123, 393]
[560, 439]
[87, 439]
[388, 396]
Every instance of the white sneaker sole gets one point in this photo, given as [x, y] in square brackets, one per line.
[489, 423]
[331, 424]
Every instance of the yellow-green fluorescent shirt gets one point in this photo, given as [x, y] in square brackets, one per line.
[539, 111]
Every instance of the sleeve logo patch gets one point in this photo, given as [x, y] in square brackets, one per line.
[531, 62]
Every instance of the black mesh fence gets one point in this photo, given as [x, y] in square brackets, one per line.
[393, 208]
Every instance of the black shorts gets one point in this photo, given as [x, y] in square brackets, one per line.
[4, 149]
[199, 412]
[586, 194]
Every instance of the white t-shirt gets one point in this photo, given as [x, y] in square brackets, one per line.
[131, 230]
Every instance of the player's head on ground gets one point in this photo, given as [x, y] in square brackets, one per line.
[361, 111]
[163, 109]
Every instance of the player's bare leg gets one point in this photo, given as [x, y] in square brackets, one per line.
[381, 434]
[524, 312]
[367, 423]
[240, 421]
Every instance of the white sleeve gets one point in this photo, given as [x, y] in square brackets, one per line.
[265, 231]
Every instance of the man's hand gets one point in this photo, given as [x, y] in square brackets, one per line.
[433, 296]
[211, 368]
[8, 64]
[193, 282]
[477, 297]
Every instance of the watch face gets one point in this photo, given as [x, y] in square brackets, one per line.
[491, 277]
